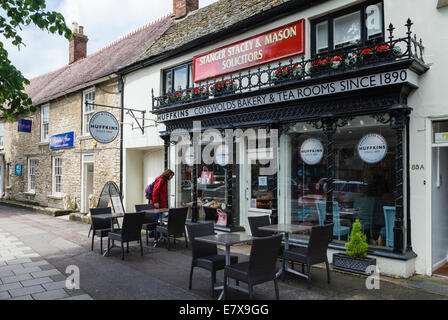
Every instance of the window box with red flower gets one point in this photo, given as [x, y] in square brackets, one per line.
[367, 55]
[335, 62]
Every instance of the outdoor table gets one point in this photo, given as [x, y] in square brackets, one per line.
[110, 216]
[163, 213]
[227, 240]
[286, 229]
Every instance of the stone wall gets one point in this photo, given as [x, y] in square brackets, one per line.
[65, 116]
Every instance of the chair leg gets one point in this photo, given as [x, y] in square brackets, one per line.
[276, 289]
[122, 250]
[93, 237]
[108, 246]
[251, 292]
[141, 247]
[224, 297]
[191, 275]
[213, 283]
[90, 230]
[328, 270]
[101, 247]
[308, 272]
[127, 247]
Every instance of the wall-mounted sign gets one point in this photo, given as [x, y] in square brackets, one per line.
[161, 129]
[104, 127]
[441, 137]
[222, 155]
[312, 151]
[372, 148]
[62, 141]
[18, 169]
[268, 46]
[25, 125]
[297, 94]
[262, 181]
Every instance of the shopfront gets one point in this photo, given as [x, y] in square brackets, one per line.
[308, 141]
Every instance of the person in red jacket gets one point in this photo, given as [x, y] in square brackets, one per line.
[160, 190]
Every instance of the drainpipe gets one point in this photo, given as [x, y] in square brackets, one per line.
[121, 90]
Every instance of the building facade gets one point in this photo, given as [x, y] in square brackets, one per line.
[355, 97]
[55, 162]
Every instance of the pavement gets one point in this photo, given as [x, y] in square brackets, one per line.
[41, 254]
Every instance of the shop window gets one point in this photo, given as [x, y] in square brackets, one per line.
[440, 132]
[31, 175]
[363, 184]
[88, 110]
[362, 24]
[178, 78]
[45, 122]
[2, 133]
[57, 176]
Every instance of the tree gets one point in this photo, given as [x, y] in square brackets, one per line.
[16, 14]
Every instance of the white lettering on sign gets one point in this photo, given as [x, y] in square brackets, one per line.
[328, 88]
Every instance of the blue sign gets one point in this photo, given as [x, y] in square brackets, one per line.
[18, 169]
[62, 141]
[25, 125]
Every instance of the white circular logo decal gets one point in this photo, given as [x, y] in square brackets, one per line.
[104, 127]
[312, 151]
[372, 148]
[222, 155]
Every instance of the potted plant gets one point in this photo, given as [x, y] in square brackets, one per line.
[355, 259]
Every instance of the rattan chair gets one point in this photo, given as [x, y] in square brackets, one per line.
[175, 226]
[260, 268]
[150, 221]
[205, 255]
[315, 252]
[99, 227]
[259, 221]
[131, 231]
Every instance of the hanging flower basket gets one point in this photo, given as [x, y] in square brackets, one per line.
[335, 62]
[351, 60]
[367, 55]
[297, 71]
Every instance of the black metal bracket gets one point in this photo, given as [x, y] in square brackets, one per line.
[129, 111]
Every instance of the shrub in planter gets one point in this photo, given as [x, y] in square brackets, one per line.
[355, 260]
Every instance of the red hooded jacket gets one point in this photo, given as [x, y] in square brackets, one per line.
[160, 193]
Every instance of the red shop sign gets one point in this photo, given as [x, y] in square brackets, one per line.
[279, 43]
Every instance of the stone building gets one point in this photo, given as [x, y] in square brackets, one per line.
[58, 163]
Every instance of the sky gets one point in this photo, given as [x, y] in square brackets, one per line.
[104, 22]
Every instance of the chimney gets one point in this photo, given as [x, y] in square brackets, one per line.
[182, 7]
[78, 43]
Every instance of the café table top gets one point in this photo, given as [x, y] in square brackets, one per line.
[226, 239]
[155, 210]
[287, 228]
[109, 215]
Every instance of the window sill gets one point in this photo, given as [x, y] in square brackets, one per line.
[55, 197]
[43, 143]
[30, 193]
[85, 137]
[8, 187]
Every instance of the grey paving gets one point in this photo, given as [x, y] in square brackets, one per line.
[54, 244]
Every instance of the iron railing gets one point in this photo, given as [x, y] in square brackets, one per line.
[329, 63]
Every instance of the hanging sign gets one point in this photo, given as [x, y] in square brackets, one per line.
[18, 169]
[222, 155]
[312, 151]
[62, 141]
[104, 127]
[372, 148]
[24, 125]
[275, 44]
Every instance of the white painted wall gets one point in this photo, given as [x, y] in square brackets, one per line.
[429, 100]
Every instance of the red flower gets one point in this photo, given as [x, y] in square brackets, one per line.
[322, 62]
[366, 51]
[212, 87]
[219, 85]
[277, 72]
[382, 48]
[196, 90]
[337, 58]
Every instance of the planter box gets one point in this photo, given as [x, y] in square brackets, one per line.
[344, 262]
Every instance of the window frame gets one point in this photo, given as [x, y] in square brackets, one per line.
[30, 188]
[330, 20]
[54, 184]
[42, 123]
[85, 122]
[189, 66]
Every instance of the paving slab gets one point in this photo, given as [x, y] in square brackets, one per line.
[26, 291]
[51, 295]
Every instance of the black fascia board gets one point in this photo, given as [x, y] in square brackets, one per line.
[278, 12]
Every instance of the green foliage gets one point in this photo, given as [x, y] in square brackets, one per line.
[15, 14]
[357, 247]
